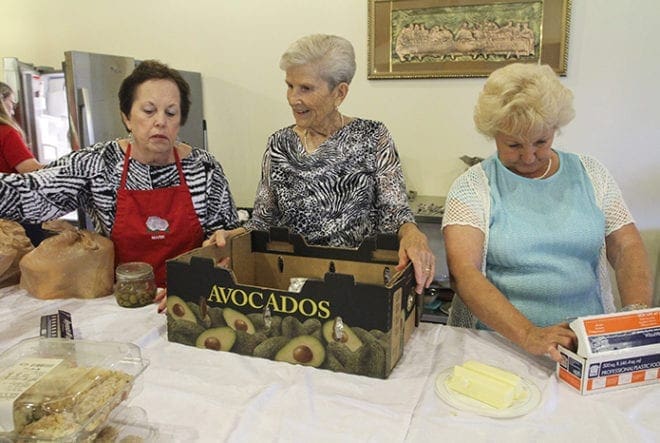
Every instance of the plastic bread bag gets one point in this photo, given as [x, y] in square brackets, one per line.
[73, 263]
[14, 244]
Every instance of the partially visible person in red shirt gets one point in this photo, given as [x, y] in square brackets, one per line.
[15, 156]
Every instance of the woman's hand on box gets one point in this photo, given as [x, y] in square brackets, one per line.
[161, 299]
[544, 341]
[414, 247]
[221, 236]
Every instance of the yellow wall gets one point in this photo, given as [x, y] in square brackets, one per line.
[235, 44]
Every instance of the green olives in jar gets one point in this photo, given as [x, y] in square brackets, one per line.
[135, 284]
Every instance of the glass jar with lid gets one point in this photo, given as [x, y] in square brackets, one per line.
[135, 284]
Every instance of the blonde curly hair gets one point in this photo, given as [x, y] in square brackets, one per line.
[523, 98]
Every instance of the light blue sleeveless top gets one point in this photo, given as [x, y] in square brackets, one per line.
[545, 240]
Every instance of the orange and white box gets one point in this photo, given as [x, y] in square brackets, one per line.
[615, 351]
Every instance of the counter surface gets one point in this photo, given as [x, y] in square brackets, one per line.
[193, 394]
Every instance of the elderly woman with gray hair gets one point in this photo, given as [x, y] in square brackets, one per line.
[529, 231]
[332, 178]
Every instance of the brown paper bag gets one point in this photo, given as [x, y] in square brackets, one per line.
[14, 244]
[74, 263]
[56, 226]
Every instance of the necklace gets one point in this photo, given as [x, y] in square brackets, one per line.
[341, 117]
[546, 170]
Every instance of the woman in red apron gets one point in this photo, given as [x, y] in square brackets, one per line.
[154, 197]
[154, 225]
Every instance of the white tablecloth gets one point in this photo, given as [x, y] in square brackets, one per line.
[201, 395]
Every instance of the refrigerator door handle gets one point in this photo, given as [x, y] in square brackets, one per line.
[205, 136]
[85, 113]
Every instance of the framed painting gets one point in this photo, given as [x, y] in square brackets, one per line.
[464, 38]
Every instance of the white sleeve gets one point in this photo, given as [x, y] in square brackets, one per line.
[468, 201]
[608, 195]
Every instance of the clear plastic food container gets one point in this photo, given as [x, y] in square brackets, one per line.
[62, 390]
[130, 425]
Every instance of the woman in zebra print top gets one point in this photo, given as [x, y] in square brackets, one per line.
[155, 197]
[332, 178]
[89, 178]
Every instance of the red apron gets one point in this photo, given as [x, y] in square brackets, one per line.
[154, 225]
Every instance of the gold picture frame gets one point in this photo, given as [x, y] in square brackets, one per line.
[464, 38]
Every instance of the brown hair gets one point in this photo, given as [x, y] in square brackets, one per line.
[153, 70]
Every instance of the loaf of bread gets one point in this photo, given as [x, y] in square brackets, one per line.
[68, 400]
[78, 264]
[14, 244]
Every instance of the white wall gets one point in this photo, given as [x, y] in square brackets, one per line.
[613, 70]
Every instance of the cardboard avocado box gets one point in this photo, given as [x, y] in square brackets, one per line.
[615, 351]
[347, 310]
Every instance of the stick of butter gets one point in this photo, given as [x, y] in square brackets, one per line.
[487, 384]
[500, 374]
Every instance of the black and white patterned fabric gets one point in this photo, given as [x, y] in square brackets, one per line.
[350, 188]
[89, 178]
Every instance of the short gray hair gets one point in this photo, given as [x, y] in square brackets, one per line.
[334, 54]
[523, 98]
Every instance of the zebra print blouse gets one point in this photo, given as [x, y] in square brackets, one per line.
[89, 179]
[350, 188]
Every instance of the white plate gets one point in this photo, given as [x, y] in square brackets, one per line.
[465, 403]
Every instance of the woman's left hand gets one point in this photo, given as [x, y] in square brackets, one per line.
[414, 247]
[222, 236]
[161, 299]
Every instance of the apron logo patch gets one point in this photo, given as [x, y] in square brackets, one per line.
[157, 224]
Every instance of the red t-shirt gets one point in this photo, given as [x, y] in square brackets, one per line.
[12, 149]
